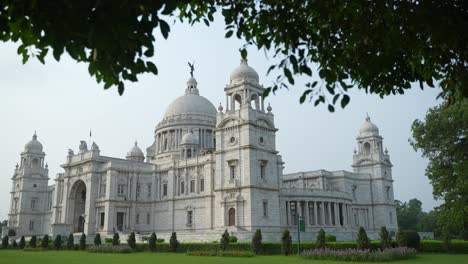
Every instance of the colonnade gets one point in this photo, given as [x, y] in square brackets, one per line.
[170, 139]
[320, 213]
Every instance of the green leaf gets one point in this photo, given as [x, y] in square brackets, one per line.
[266, 92]
[335, 98]
[288, 75]
[331, 108]
[229, 34]
[164, 28]
[121, 88]
[151, 67]
[344, 101]
[304, 96]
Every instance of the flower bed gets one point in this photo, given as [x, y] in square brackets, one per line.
[123, 249]
[388, 254]
[220, 253]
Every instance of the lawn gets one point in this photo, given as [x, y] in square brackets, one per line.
[78, 257]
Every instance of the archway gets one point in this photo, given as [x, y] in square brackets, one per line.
[232, 217]
[78, 199]
[367, 148]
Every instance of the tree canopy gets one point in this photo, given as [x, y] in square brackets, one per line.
[442, 137]
[381, 47]
[410, 216]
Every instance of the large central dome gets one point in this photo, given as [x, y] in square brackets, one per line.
[191, 103]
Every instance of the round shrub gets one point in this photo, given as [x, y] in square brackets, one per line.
[232, 239]
[408, 238]
[116, 239]
[330, 238]
[321, 240]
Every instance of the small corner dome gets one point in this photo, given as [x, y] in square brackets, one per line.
[244, 72]
[33, 146]
[189, 138]
[135, 151]
[368, 128]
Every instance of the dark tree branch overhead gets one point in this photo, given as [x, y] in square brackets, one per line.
[381, 47]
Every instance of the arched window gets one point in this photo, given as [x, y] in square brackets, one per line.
[254, 103]
[189, 153]
[35, 163]
[232, 217]
[237, 102]
[367, 148]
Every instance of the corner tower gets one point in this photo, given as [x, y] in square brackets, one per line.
[31, 199]
[371, 159]
[248, 167]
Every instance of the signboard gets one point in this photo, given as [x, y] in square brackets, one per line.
[301, 225]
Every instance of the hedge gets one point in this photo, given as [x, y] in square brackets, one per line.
[437, 246]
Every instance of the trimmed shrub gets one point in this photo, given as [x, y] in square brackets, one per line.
[173, 242]
[232, 239]
[385, 240]
[121, 249]
[131, 241]
[257, 242]
[362, 241]
[58, 242]
[14, 244]
[321, 240]
[225, 240]
[116, 239]
[160, 240]
[108, 240]
[83, 242]
[330, 238]
[22, 243]
[5, 240]
[97, 239]
[33, 242]
[152, 242]
[286, 243]
[70, 242]
[408, 238]
[45, 242]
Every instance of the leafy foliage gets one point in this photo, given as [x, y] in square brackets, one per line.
[173, 242]
[330, 238]
[83, 242]
[225, 240]
[70, 242]
[443, 139]
[321, 239]
[286, 243]
[33, 242]
[5, 241]
[121, 249]
[385, 240]
[257, 241]
[97, 239]
[152, 242]
[362, 241]
[116, 239]
[131, 241]
[22, 242]
[58, 242]
[14, 244]
[381, 47]
[408, 238]
[45, 242]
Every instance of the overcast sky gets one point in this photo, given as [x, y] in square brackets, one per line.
[62, 102]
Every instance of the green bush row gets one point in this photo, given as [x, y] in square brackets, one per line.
[221, 253]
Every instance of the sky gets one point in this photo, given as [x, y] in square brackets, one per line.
[63, 103]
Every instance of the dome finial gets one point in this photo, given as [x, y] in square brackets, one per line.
[192, 68]
[136, 143]
[35, 135]
[269, 108]
[220, 107]
[367, 117]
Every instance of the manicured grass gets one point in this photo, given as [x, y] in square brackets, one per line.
[78, 257]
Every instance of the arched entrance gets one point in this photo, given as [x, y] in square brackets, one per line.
[78, 203]
[232, 217]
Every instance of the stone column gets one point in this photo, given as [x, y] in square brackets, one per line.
[288, 221]
[329, 213]
[337, 214]
[315, 214]
[322, 207]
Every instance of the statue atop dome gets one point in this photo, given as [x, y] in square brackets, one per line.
[192, 68]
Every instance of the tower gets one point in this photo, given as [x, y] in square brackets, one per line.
[371, 159]
[247, 162]
[31, 200]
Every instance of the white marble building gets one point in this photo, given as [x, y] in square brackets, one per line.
[208, 170]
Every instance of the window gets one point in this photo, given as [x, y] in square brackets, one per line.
[148, 219]
[149, 190]
[182, 187]
[189, 217]
[265, 209]
[31, 225]
[33, 204]
[102, 191]
[138, 190]
[192, 186]
[120, 189]
[233, 140]
[202, 185]
[137, 219]
[233, 172]
[102, 218]
[261, 140]
[164, 189]
[262, 170]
